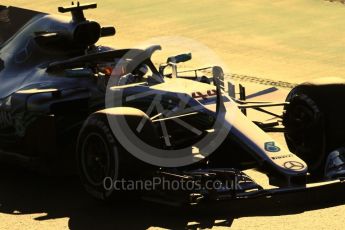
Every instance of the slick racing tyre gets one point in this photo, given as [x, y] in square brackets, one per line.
[102, 160]
[314, 121]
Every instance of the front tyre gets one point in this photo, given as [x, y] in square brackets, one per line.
[314, 121]
[304, 129]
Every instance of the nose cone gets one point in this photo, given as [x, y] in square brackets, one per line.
[264, 148]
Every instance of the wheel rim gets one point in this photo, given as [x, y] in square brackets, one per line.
[95, 159]
[302, 117]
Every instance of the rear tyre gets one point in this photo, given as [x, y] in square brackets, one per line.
[99, 158]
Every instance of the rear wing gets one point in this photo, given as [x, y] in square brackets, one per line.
[12, 19]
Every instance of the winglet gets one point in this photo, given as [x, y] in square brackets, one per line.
[77, 11]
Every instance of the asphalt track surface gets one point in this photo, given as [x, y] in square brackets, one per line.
[30, 201]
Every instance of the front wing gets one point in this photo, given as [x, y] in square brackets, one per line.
[224, 185]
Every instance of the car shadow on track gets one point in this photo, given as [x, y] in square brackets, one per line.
[23, 192]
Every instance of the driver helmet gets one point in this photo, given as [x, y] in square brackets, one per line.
[141, 70]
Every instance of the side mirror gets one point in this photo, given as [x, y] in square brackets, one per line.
[179, 58]
[173, 61]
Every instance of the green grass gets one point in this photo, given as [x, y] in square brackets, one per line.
[291, 40]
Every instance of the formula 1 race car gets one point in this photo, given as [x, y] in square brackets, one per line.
[115, 116]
